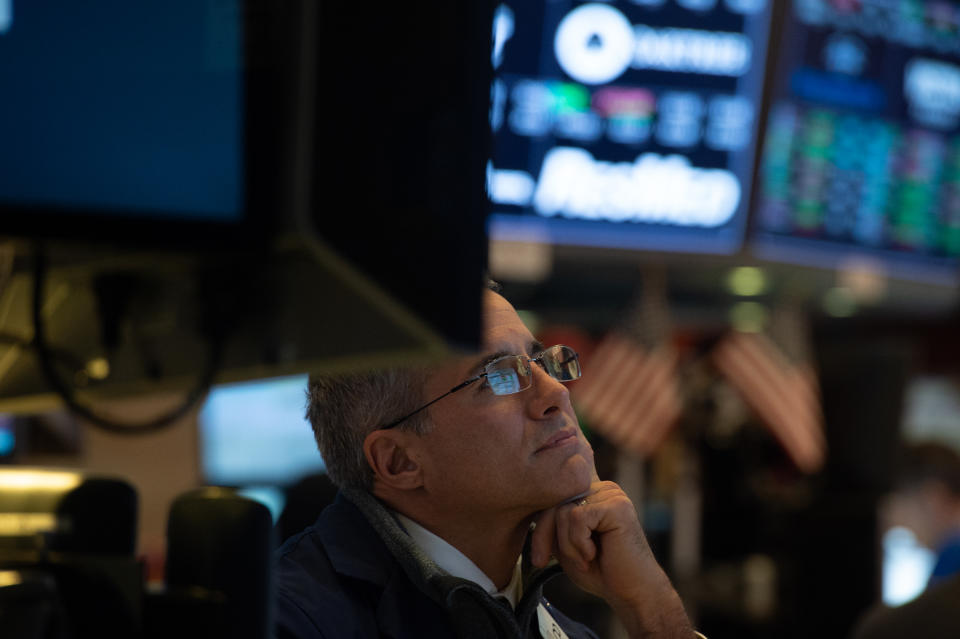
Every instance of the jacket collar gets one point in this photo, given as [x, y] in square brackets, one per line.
[353, 547]
[364, 541]
[356, 550]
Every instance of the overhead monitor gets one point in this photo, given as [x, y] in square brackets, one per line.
[862, 151]
[138, 122]
[626, 124]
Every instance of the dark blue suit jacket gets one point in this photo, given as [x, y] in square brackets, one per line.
[339, 580]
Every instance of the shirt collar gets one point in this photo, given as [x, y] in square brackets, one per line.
[459, 565]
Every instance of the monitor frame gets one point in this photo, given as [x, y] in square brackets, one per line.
[272, 39]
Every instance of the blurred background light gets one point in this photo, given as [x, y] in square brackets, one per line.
[749, 317]
[9, 578]
[98, 368]
[839, 301]
[38, 480]
[865, 278]
[906, 566]
[747, 281]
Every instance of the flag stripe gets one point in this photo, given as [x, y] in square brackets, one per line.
[784, 396]
[629, 395]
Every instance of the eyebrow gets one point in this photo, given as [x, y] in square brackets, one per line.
[532, 348]
[486, 359]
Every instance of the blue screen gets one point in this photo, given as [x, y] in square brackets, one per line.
[255, 433]
[8, 436]
[113, 106]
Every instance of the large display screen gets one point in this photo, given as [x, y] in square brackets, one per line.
[862, 149]
[132, 108]
[626, 124]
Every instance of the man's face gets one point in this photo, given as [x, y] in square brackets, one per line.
[487, 453]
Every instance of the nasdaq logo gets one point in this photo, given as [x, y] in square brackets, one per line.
[6, 15]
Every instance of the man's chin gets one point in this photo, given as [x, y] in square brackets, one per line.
[581, 474]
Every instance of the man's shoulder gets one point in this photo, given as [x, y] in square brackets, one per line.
[340, 541]
[337, 579]
[315, 575]
[302, 561]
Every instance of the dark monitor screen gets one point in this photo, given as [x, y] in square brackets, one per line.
[862, 149]
[626, 124]
[125, 108]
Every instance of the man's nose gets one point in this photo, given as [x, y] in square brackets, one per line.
[549, 394]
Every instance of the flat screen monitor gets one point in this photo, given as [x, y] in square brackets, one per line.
[255, 434]
[626, 124]
[861, 155]
[124, 116]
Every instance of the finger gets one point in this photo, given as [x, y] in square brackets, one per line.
[578, 523]
[565, 548]
[602, 493]
[580, 529]
[542, 542]
[574, 540]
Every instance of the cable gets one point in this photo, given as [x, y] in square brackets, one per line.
[45, 355]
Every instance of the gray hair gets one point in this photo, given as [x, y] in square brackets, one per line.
[344, 409]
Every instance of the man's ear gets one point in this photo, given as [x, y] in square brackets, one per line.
[393, 462]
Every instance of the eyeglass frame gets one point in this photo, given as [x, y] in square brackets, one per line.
[537, 358]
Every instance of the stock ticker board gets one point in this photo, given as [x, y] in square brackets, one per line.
[626, 124]
[862, 149]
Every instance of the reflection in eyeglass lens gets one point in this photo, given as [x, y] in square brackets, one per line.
[505, 379]
[561, 363]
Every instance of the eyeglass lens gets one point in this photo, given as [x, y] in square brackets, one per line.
[508, 375]
[561, 363]
[512, 374]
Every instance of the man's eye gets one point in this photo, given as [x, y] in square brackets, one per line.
[504, 382]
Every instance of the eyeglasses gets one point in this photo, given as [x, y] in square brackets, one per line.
[512, 373]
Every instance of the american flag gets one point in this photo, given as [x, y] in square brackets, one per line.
[629, 391]
[779, 385]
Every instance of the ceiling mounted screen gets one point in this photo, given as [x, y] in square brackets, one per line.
[626, 124]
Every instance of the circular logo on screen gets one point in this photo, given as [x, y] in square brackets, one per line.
[594, 43]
